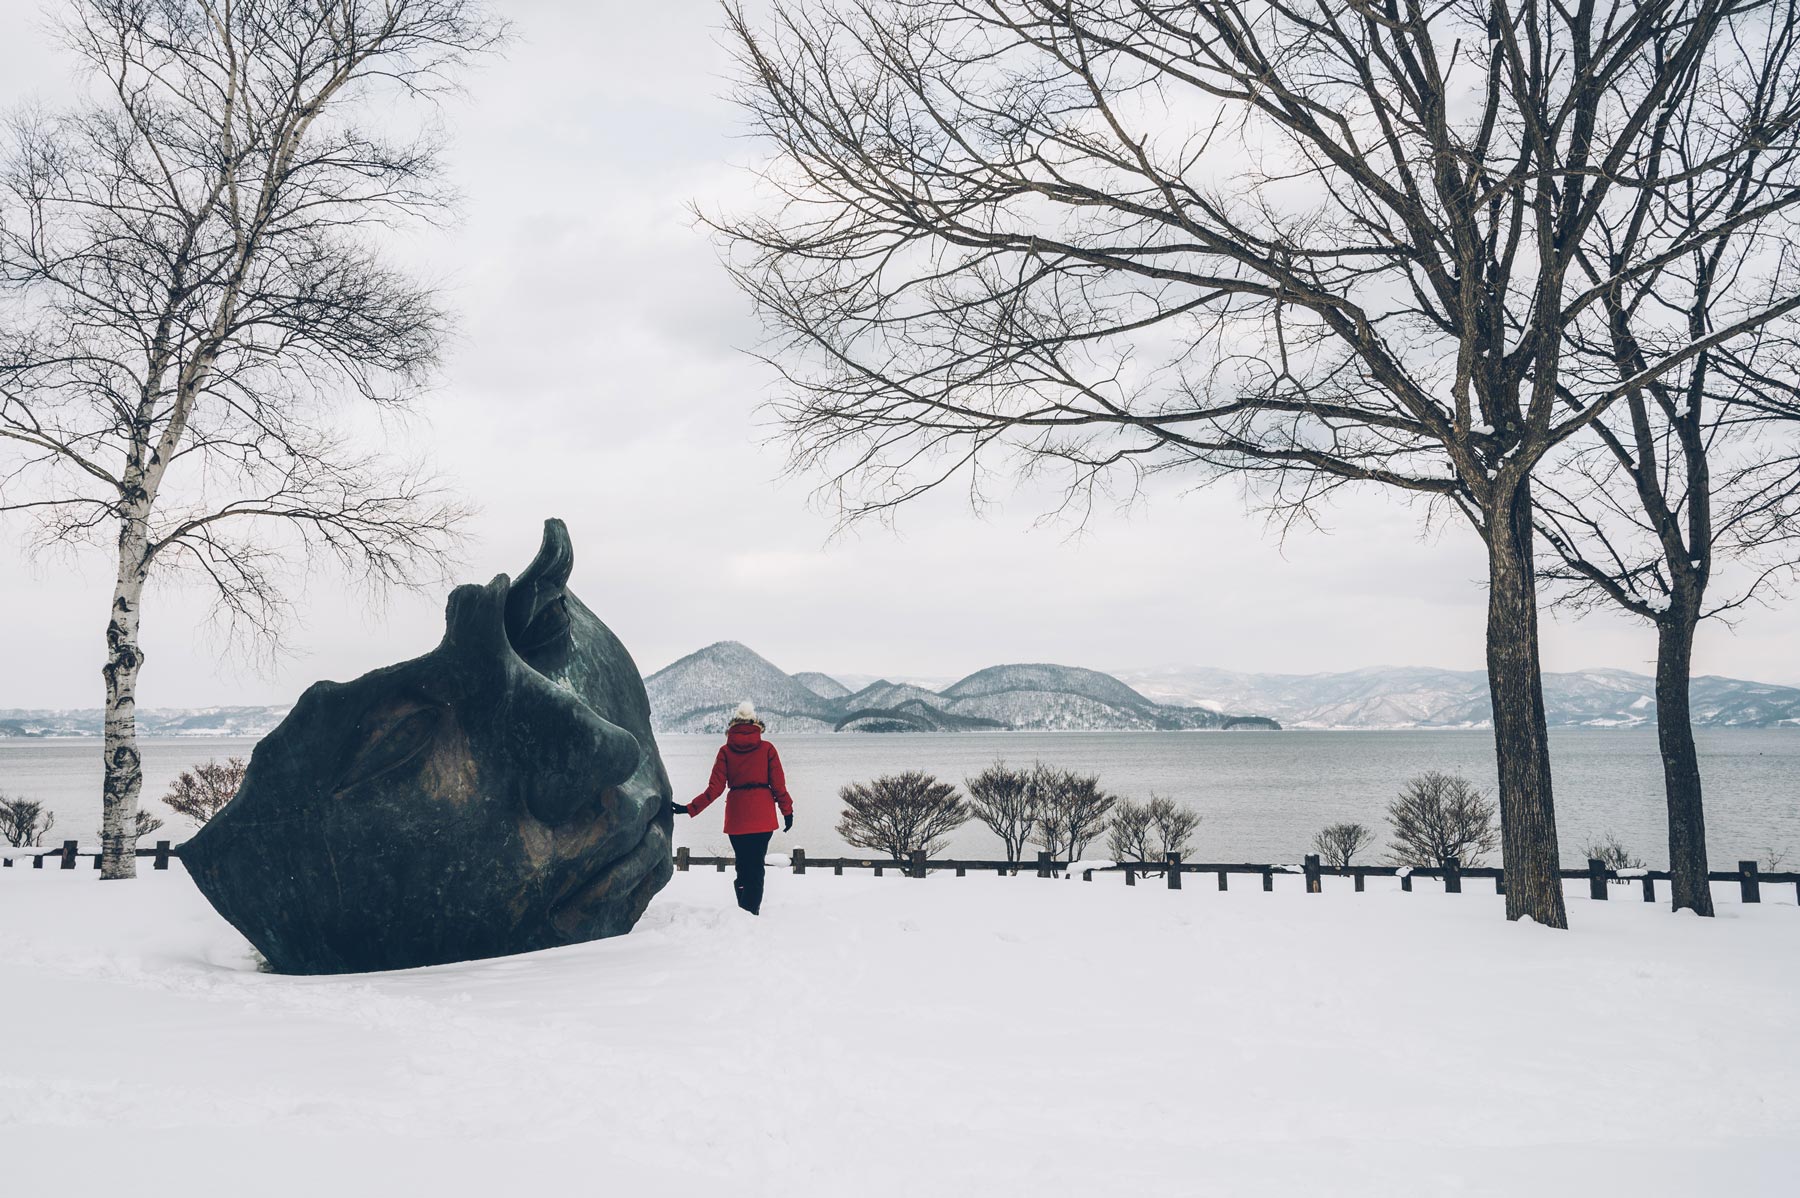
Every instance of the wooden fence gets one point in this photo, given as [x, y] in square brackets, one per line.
[71, 852]
[1749, 879]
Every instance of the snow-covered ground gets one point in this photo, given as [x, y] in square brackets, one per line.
[980, 1036]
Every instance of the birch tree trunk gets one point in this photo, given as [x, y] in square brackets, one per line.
[1521, 737]
[123, 777]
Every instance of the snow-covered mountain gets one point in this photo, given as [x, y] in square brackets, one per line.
[823, 685]
[1420, 697]
[697, 693]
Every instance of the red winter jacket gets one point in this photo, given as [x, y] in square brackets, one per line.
[750, 769]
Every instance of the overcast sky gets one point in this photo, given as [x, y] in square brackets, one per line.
[600, 376]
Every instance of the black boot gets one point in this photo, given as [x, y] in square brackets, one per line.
[744, 899]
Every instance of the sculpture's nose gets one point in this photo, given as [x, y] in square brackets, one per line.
[570, 754]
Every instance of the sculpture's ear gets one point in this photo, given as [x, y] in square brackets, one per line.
[537, 607]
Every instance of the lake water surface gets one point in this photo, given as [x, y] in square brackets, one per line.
[1262, 794]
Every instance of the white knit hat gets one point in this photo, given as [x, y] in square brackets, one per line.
[746, 714]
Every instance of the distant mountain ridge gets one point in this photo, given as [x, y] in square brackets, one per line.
[151, 721]
[1388, 697]
[697, 694]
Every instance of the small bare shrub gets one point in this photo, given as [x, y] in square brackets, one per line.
[202, 792]
[1610, 852]
[1072, 810]
[1439, 816]
[1146, 833]
[1005, 800]
[1338, 844]
[900, 814]
[24, 822]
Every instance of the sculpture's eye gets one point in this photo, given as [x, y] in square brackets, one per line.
[392, 739]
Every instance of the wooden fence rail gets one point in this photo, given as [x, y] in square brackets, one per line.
[1749, 878]
[1452, 874]
[71, 852]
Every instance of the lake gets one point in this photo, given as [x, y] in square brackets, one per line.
[1262, 794]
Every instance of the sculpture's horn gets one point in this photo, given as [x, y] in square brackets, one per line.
[537, 613]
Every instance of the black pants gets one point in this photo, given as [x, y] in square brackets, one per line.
[751, 848]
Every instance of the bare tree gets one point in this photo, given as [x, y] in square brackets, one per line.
[24, 822]
[188, 282]
[1439, 816]
[1691, 474]
[1004, 800]
[1310, 245]
[1611, 852]
[1128, 835]
[1338, 844]
[1175, 825]
[1072, 811]
[1146, 833]
[900, 814]
[202, 792]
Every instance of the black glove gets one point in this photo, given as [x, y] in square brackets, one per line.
[680, 808]
[787, 822]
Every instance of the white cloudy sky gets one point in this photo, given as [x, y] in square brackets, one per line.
[600, 377]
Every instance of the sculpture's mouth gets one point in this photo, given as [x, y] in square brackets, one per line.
[617, 877]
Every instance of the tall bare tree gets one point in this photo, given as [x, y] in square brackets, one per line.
[1312, 243]
[1693, 477]
[189, 279]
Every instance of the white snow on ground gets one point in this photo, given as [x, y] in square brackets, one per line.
[977, 1035]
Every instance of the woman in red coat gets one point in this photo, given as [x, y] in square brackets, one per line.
[750, 770]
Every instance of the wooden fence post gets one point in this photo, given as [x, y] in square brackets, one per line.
[68, 854]
[918, 863]
[1358, 875]
[681, 859]
[1268, 878]
[1406, 880]
[1224, 880]
[1500, 882]
[837, 871]
[1452, 876]
[1130, 876]
[1314, 883]
[162, 855]
[1596, 879]
[721, 864]
[1749, 888]
[961, 871]
[37, 862]
[1174, 871]
[878, 870]
[798, 857]
[1044, 864]
[1087, 875]
[1649, 887]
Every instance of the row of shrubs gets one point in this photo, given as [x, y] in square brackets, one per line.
[1061, 811]
[198, 793]
[1435, 817]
